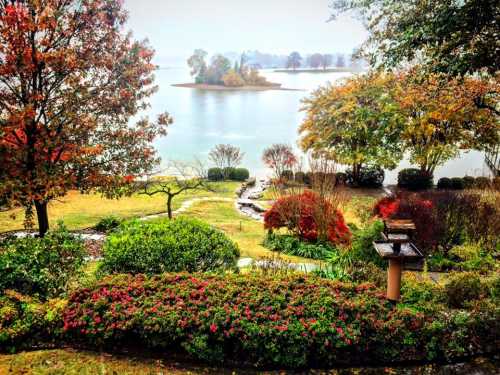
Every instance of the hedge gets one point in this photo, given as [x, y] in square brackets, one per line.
[414, 179]
[292, 322]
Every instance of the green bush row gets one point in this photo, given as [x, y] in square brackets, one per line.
[234, 174]
[467, 182]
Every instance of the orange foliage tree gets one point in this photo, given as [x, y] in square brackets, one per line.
[70, 81]
[446, 114]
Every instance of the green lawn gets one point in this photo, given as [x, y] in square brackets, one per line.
[246, 232]
[80, 211]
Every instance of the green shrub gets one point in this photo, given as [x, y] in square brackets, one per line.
[422, 292]
[457, 183]
[362, 244]
[285, 322]
[463, 287]
[239, 174]
[181, 244]
[444, 183]
[215, 174]
[292, 245]
[362, 272]
[108, 223]
[41, 266]
[369, 177]
[414, 179]
[482, 183]
[469, 182]
[26, 323]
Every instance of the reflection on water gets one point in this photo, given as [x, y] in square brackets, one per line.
[252, 120]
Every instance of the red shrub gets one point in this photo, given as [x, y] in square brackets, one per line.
[303, 214]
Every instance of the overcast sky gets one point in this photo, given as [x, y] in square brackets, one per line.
[176, 27]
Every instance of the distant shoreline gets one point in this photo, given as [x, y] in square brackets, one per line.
[329, 70]
[204, 86]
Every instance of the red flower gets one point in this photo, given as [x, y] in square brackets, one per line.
[213, 328]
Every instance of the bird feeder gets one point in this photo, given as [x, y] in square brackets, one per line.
[396, 246]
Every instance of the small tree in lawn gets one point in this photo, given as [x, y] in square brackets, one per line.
[279, 157]
[70, 81]
[186, 177]
[226, 157]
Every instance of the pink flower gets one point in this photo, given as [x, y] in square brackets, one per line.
[213, 328]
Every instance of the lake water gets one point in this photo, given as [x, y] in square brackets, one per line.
[252, 120]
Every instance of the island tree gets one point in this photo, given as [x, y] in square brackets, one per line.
[455, 37]
[198, 65]
[294, 60]
[70, 81]
[357, 123]
[445, 115]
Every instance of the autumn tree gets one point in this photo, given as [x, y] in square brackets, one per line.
[445, 115]
[356, 123]
[182, 177]
[218, 68]
[279, 157]
[454, 37]
[70, 81]
[226, 157]
[294, 60]
[198, 65]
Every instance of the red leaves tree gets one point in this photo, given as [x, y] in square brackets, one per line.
[70, 81]
[279, 157]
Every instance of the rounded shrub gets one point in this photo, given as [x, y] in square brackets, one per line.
[444, 183]
[108, 223]
[482, 183]
[457, 183]
[370, 177]
[181, 244]
[463, 287]
[239, 174]
[469, 182]
[496, 183]
[287, 175]
[215, 174]
[414, 179]
[41, 266]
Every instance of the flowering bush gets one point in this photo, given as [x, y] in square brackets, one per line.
[289, 322]
[303, 215]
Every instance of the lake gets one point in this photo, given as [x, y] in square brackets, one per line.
[253, 120]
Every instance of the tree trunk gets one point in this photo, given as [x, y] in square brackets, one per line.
[169, 206]
[42, 216]
[356, 170]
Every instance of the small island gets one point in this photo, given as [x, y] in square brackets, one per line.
[220, 75]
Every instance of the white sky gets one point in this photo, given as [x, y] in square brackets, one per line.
[176, 27]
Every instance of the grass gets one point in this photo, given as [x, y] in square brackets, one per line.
[246, 232]
[80, 211]
[72, 362]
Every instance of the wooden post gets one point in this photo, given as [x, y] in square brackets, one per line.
[394, 279]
